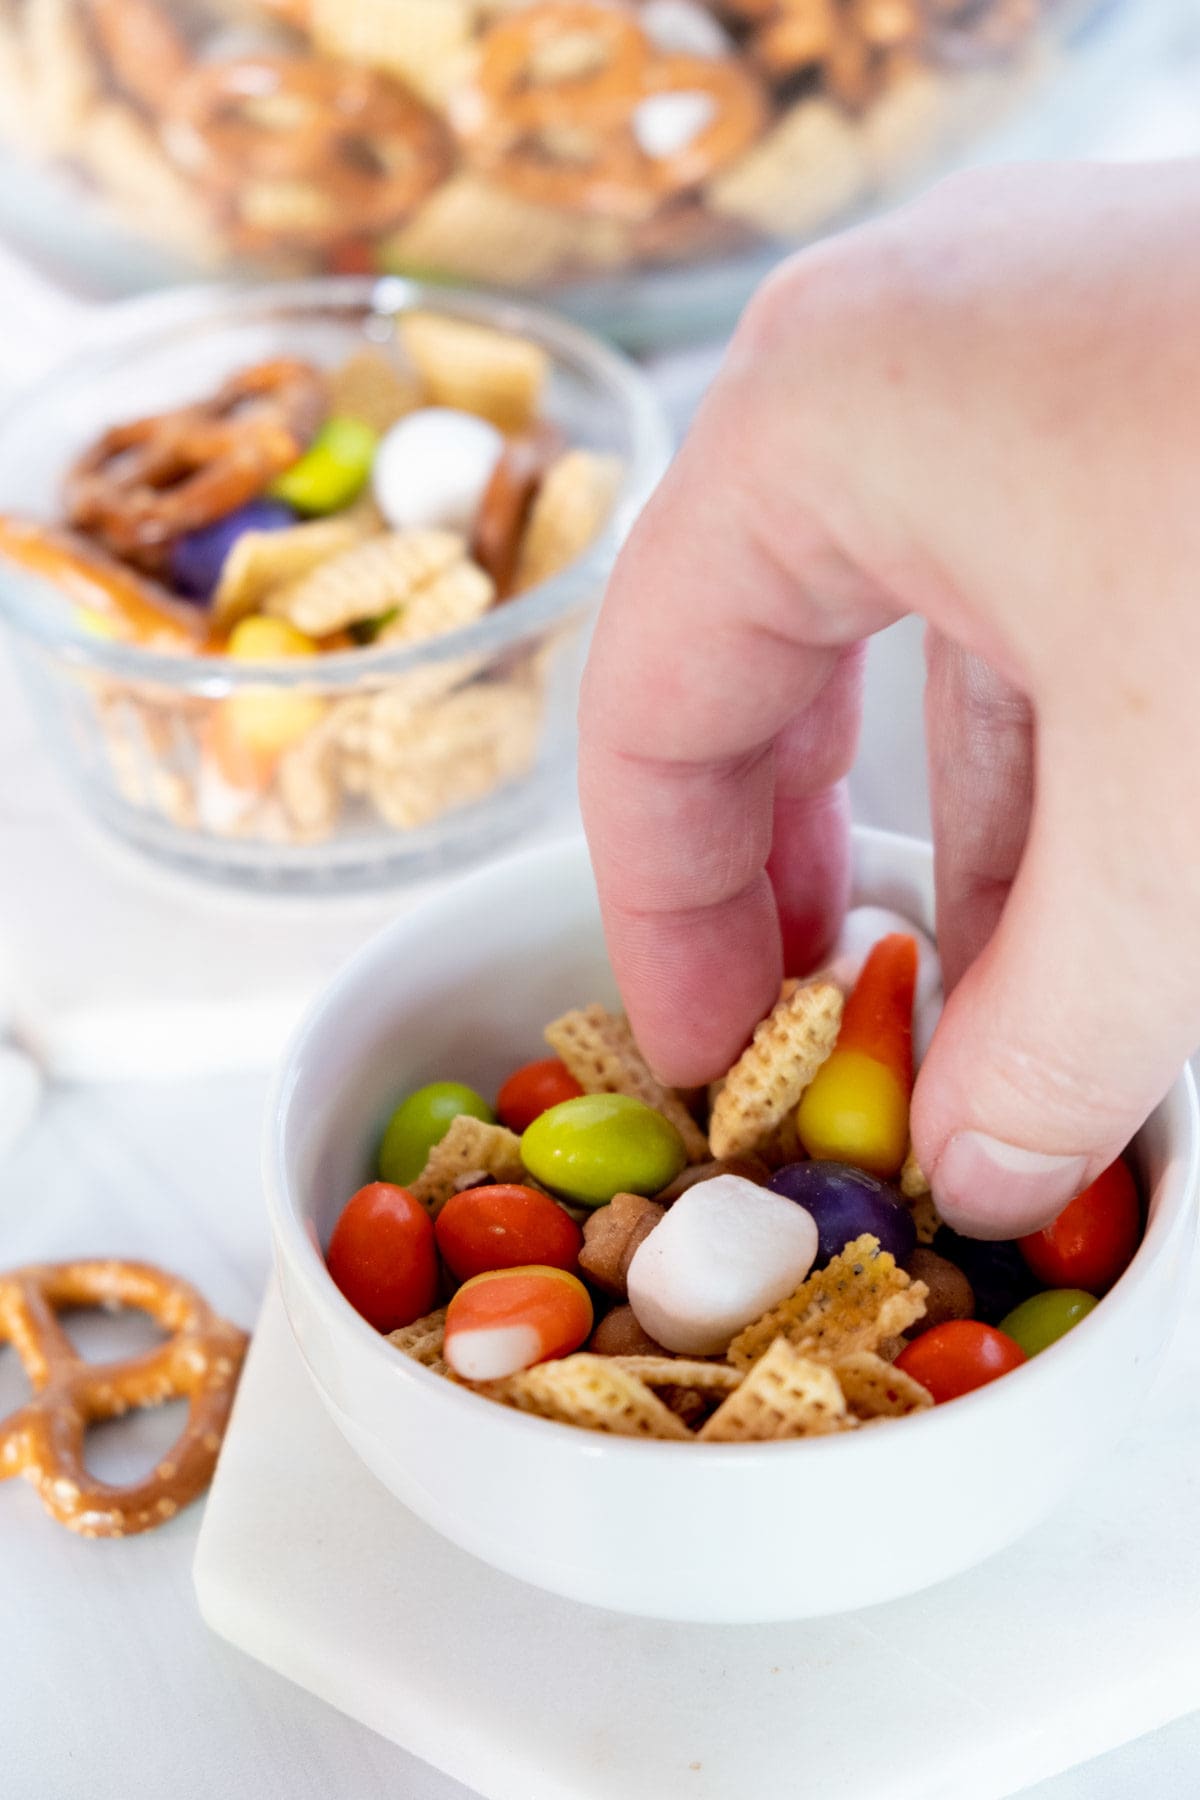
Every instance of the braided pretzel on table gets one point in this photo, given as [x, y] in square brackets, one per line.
[551, 110]
[44, 1440]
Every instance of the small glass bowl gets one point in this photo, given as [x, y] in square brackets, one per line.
[381, 788]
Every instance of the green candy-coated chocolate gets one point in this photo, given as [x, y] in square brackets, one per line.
[420, 1122]
[1042, 1319]
[598, 1145]
[333, 470]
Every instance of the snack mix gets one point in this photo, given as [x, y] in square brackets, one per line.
[606, 1253]
[313, 520]
[518, 142]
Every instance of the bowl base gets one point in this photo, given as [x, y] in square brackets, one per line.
[398, 1628]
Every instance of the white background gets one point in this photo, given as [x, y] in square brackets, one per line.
[110, 1686]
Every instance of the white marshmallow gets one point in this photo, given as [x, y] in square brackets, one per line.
[726, 1252]
[861, 931]
[433, 467]
[666, 123]
[683, 28]
[925, 1022]
[20, 1094]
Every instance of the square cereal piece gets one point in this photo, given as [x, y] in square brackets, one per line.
[598, 1048]
[682, 1371]
[593, 1392]
[856, 1301]
[568, 511]
[474, 367]
[261, 561]
[770, 1076]
[424, 1341]
[690, 1388]
[785, 1395]
[365, 580]
[455, 597]
[926, 1217]
[914, 1185]
[373, 385]
[425, 46]
[470, 1146]
[913, 1182]
[874, 1390]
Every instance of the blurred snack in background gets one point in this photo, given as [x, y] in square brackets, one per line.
[298, 578]
[521, 143]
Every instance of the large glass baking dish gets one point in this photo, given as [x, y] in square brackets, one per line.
[574, 145]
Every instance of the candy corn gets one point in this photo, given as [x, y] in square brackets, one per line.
[509, 1319]
[855, 1110]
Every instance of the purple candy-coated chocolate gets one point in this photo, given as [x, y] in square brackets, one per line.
[846, 1202]
[197, 559]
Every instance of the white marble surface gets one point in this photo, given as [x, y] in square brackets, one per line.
[110, 1686]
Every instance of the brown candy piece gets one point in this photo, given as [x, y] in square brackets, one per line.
[611, 1236]
[748, 1167]
[504, 509]
[619, 1334]
[950, 1294]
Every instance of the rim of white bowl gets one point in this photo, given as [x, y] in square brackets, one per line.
[33, 605]
[293, 1237]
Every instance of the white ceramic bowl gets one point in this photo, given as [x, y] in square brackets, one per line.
[461, 986]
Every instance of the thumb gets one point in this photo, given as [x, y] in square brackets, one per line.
[1061, 1037]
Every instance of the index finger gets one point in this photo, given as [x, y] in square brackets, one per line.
[717, 700]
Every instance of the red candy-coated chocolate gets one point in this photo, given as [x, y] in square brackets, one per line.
[534, 1089]
[1093, 1239]
[502, 1227]
[959, 1356]
[383, 1258]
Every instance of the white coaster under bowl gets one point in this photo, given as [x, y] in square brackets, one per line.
[1082, 1636]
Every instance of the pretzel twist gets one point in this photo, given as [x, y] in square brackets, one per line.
[553, 110]
[146, 482]
[301, 148]
[44, 1440]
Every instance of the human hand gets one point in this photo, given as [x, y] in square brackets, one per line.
[980, 410]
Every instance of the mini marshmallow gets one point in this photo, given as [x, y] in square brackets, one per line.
[861, 931]
[666, 123]
[680, 27]
[726, 1253]
[20, 1094]
[433, 467]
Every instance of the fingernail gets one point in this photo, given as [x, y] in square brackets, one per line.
[989, 1189]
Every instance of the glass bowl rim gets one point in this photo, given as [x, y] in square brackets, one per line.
[152, 321]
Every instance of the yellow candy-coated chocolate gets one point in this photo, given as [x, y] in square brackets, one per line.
[855, 1111]
[95, 623]
[271, 720]
[259, 639]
